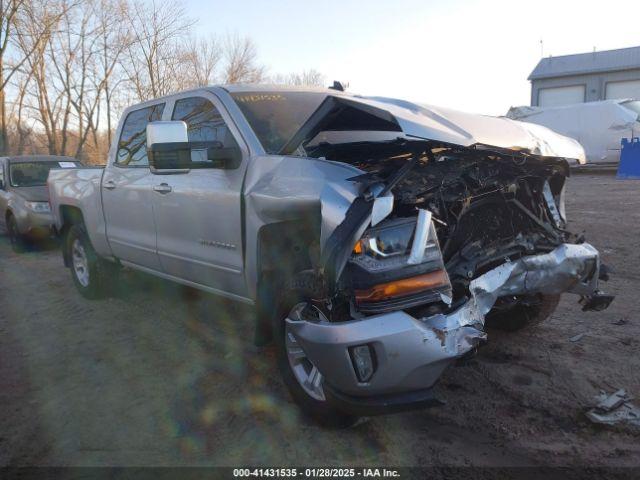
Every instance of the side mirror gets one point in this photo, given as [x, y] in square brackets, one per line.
[169, 150]
[168, 146]
[224, 157]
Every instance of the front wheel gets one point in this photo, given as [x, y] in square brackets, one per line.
[302, 378]
[17, 241]
[88, 270]
[523, 315]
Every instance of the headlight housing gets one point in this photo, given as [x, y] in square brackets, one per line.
[387, 240]
[389, 245]
[398, 264]
[39, 207]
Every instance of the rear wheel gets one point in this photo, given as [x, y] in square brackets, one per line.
[89, 272]
[302, 378]
[523, 315]
[17, 241]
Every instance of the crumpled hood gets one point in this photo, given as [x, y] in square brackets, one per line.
[467, 129]
[33, 194]
[436, 124]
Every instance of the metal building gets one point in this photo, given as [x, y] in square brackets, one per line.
[586, 77]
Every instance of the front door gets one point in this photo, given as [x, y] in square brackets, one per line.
[198, 214]
[127, 193]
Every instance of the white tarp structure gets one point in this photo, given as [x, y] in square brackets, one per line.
[598, 126]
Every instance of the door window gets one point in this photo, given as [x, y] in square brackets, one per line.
[132, 147]
[204, 124]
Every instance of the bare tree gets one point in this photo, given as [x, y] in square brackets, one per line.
[202, 58]
[33, 47]
[18, 125]
[114, 39]
[73, 65]
[154, 55]
[309, 78]
[69, 78]
[40, 15]
[241, 65]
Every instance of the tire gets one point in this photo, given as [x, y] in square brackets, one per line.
[90, 274]
[18, 242]
[317, 408]
[523, 316]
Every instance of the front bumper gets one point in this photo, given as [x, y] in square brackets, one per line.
[35, 225]
[411, 353]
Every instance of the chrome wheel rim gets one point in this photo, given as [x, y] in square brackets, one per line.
[305, 372]
[80, 263]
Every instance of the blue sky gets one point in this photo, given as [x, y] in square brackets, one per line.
[466, 54]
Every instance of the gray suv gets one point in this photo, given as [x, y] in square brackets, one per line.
[24, 199]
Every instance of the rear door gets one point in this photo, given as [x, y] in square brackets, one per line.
[127, 194]
[198, 214]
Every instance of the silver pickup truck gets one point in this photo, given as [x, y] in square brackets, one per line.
[374, 236]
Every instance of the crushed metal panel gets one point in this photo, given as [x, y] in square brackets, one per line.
[416, 351]
[437, 124]
[613, 409]
[466, 129]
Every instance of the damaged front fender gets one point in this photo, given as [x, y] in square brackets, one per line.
[291, 189]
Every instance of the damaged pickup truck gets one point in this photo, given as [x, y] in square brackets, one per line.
[376, 237]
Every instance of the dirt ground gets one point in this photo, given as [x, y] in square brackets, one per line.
[162, 375]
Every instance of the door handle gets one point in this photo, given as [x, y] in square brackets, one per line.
[109, 185]
[162, 188]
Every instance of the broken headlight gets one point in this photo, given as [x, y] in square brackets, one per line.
[387, 240]
[397, 265]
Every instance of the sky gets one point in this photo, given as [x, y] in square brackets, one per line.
[465, 54]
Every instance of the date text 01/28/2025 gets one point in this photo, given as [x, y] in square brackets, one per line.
[316, 472]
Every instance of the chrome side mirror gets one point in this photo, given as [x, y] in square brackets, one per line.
[168, 148]
[167, 132]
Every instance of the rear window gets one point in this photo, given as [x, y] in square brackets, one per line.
[276, 116]
[34, 174]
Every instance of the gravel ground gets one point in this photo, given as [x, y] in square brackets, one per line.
[163, 375]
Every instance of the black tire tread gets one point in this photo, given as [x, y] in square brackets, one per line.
[100, 271]
[18, 242]
[524, 317]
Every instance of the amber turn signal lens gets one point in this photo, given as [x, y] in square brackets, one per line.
[358, 248]
[405, 286]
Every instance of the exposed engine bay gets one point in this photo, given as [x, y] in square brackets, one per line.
[441, 241]
[477, 209]
[431, 224]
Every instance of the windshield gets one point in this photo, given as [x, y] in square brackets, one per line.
[276, 116]
[34, 174]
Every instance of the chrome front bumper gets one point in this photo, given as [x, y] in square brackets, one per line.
[411, 354]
